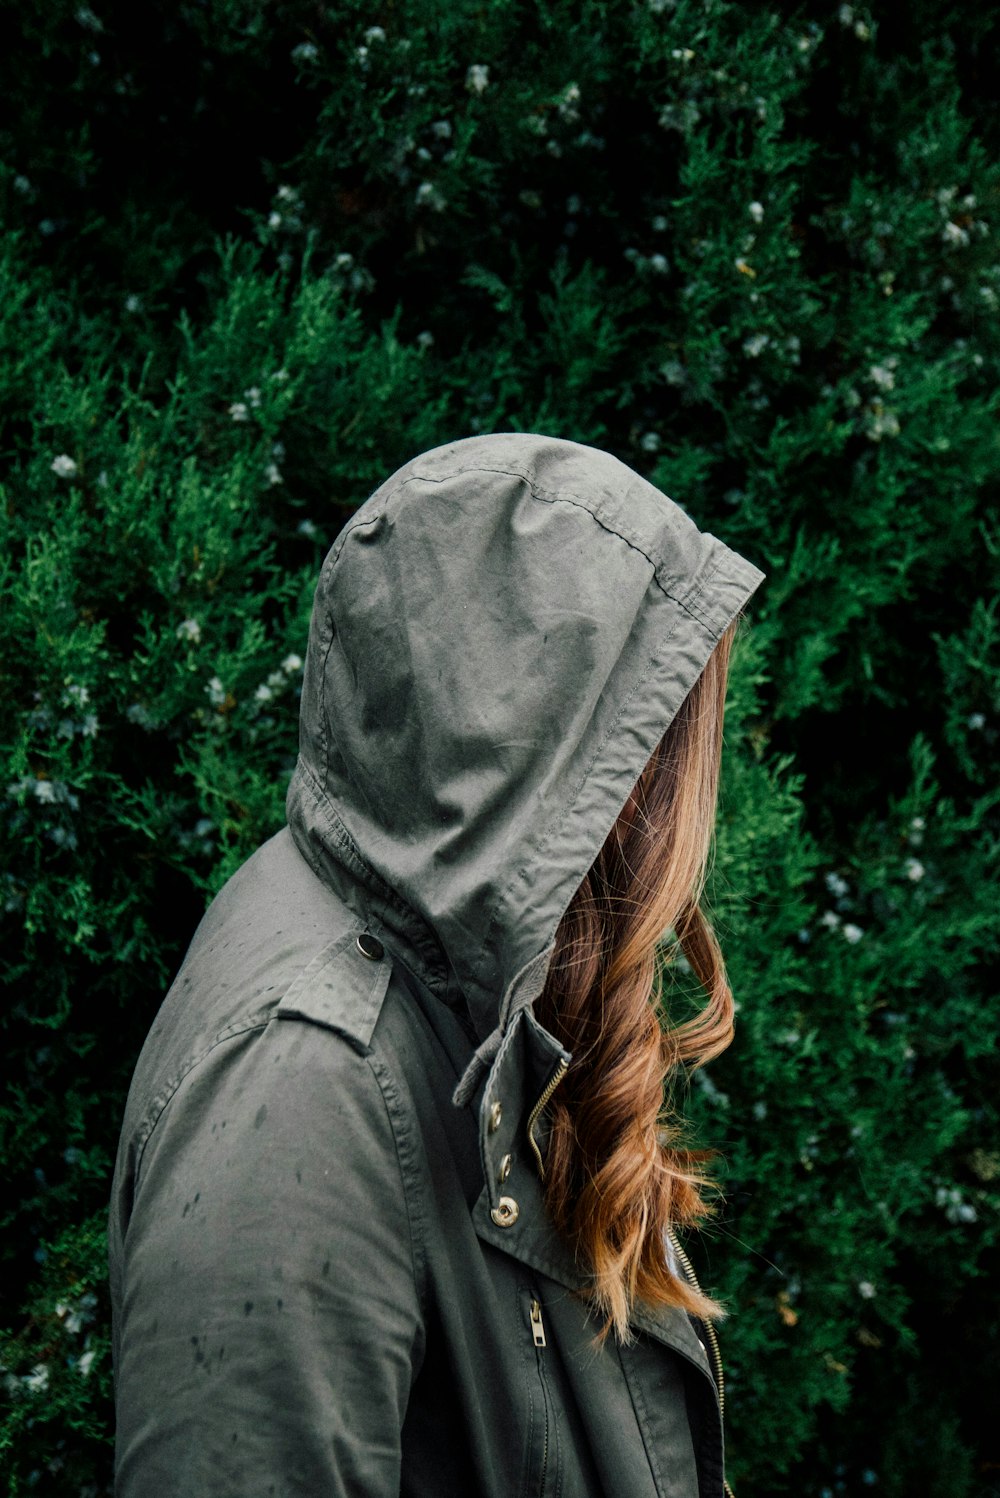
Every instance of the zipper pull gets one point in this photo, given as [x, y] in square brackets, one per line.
[537, 1325]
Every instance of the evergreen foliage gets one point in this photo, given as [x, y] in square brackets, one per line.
[252, 258]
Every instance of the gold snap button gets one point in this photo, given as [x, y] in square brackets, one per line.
[505, 1213]
[505, 1165]
[496, 1113]
[369, 947]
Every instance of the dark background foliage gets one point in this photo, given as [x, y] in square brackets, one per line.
[253, 256]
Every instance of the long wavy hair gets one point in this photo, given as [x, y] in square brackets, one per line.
[618, 1176]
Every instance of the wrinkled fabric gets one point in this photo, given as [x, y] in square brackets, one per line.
[316, 1284]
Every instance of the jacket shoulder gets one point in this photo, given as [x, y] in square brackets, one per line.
[342, 988]
[275, 943]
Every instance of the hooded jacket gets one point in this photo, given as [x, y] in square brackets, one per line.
[332, 1272]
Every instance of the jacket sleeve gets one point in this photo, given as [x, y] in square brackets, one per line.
[269, 1318]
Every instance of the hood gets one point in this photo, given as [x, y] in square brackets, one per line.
[501, 635]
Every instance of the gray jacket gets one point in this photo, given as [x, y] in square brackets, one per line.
[331, 1268]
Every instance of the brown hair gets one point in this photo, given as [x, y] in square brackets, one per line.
[617, 1174]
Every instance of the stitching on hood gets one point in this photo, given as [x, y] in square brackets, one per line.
[546, 496]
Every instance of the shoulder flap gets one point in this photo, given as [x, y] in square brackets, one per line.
[342, 988]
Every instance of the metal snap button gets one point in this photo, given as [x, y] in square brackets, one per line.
[496, 1113]
[505, 1213]
[369, 947]
[505, 1165]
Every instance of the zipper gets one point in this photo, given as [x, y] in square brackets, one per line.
[562, 1067]
[537, 1325]
[712, 1335]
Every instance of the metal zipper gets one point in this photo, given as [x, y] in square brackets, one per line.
[537, 1324]
[538, 1337]
[713, 1338]
[562, 1067]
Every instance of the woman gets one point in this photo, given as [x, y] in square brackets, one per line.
[394, 1201]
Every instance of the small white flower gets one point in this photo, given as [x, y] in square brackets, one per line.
[428, 196]
[273, 474]
[361, 53]
[477, 78]
[682, 54]
[954, 235]
[441, 129]
[86, 18]
[90, 725]
[845, 15]
[374, 34]
[46, 792]
[22, 185]
[253, 396]
[756, 211]
[830, 918]
[216, 692]
[76, 693]
[274, 220]
[754, 346]
[37, 1380]
[189, 629]
[141, 716]
[64, 466]
[425, 339]
[239, 412]
[286, 194]
[918, 824]
[308, 528]
[976, 720]
[883, 422]
[882, 376]
[203, 827]
[852, 933]
[85, 1362]
[291, 664]
[263, 693]
[305, 52]
[280, 376]
[837, 886]
[650, 442]
[862, 30]
[914, 869]
[659, 264]
[866, 1290]
[759, 1111]
[133, 303]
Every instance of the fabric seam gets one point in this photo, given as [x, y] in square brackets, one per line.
[405, 1160]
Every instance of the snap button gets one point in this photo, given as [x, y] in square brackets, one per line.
[505, 1165]
[505, 1213]
[496, 1113]
[369, 947]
